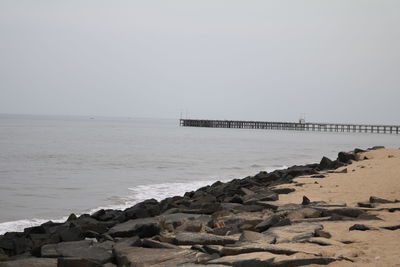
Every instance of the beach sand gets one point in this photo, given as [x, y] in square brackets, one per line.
[379, 175]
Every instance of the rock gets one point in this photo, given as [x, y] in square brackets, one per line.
[190, 226]
[306, 201]
[145, 209]
[270, 221]
[255, 237]
[3, 255]
[265, 177]
[347, 212]
[176, 219]
[318, 176]
[295, 171]
[391, 227]
[345, 157]
[325, 164]
[76, 262]
[322, 233]
[15, 243]
[359, 227]
[376, 147]
[136, 256]
[69, 233]
[285, 190]
[358, 150]
[269, 259]
[185, 238]
[366, 205]
[146, 227]
[149, 243]
[30, 262]
[77, 249]
[128, 242]
[303, 213]
[261, 196]
[246, 247]
[294, 233]
[235, 222]
[323, 241]
[279, 206]
[107, 245]
[374, 199]
[246, 259]
[72, 217]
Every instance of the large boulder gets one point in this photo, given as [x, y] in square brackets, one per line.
[273, 220]
[146, 227]
[269, 259]
[326, 164]
[346, 157]
[136, 256]
[30, 262]
[147, 208]
[186, 238]
[84, 249]
[293, 233]
[255, 237]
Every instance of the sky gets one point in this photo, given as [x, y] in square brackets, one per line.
[333, 61]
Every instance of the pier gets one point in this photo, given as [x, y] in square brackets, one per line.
[294, 126]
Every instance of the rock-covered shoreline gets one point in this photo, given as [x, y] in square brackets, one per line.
[239, 223]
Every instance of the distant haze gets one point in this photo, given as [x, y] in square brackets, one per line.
[335, 61]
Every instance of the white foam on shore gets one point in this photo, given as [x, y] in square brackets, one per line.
[20, 225]
[139, 193]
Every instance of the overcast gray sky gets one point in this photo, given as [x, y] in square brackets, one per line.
[336, 61]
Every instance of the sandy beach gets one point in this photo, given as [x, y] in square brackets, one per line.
[378, 176]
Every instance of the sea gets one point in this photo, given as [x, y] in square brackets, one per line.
[52, 166]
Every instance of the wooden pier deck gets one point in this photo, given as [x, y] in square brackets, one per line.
[295, 126]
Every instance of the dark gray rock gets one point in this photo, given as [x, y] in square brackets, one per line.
[374, 199]
[147, 208]
[134, 241]
[306, 201]
[149, 243]
[391, 227]
[345, 157]
[76, 262]
[347, 212]
[366, 205]
[270, 221]
[30, 262]
[359, 227]
[284, 190]
[77, 249]
[146, 227]
[176, 219]
[326, 164]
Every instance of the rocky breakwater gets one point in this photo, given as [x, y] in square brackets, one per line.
[238, 223]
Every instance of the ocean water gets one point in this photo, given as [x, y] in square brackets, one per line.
[51, 166]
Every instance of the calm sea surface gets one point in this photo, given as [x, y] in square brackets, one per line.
[53, 166]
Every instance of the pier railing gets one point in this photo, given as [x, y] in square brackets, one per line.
[295, 126]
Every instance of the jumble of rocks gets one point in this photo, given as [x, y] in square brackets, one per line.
[238, 223]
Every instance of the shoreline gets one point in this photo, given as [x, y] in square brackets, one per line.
[19, 225]
[223, 223]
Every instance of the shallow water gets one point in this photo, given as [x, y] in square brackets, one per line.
[51, 166]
